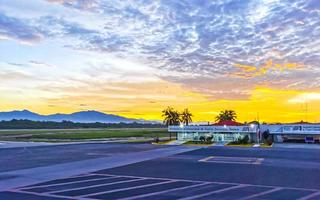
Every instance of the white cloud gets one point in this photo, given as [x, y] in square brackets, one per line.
[305, 98]
[176, 40]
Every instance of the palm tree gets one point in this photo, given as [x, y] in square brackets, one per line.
[186, 117]
[226, 115]
[171, 117]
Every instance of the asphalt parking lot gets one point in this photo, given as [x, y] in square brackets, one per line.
[206, 173]
[38, 156]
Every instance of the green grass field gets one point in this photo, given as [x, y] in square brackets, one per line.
[81, 134]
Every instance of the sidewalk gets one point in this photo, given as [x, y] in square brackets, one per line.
[296, 146]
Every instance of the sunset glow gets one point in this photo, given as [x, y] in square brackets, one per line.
[260, 58]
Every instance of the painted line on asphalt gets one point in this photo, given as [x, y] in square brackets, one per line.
[128, 188]
[259, 161]
[206, 159]
[75, 176]
[163, 191]
[233, 160]
[219, 182]
[310, 196]
[261, 193]
[40, 194]
[93, 186]
[165, 179]
[214, 192]
[66, 183]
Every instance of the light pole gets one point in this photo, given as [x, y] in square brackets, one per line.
[253, 126]
[181, 127]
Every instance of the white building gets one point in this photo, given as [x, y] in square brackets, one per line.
[226, 131]
[232, 131]
[299, 132]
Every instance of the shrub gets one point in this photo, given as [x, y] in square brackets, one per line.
[202, 138]
[245, 139]
[209, 139]
[265, 134]
[269, 140]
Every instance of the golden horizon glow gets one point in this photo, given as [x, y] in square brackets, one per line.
[282, 105]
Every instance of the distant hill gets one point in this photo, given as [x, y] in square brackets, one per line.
[90, 116]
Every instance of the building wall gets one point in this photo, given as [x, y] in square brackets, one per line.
[217, 137]
[279, 132]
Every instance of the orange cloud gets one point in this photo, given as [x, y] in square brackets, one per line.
[247, 71]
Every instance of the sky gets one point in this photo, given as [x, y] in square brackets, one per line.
[134, 58]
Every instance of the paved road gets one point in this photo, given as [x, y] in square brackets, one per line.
[38, 156]
[206, 173]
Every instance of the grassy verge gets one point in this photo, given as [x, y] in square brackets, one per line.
[265, 145]
[81, 134]
[234, 144]
[162, 142]
[198, 143]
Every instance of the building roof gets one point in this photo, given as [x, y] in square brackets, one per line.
[227, 123]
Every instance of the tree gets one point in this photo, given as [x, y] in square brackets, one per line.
[170, 117]
[226, 115]
[186, 117]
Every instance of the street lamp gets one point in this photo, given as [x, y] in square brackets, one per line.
[252, 126]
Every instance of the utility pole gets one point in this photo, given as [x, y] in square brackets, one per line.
[258, 128]
[306, 111]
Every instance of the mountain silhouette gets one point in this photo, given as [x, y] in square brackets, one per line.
[89, 116]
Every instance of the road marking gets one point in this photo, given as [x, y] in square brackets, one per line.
[213, 192]
[155, 178]
[129, 188]
[310, 196]
[163, 191]
[56, 193]
[39, 184]
[233, 160]
[39, 194]
[261, 193]
[93, 186]
[206, 159]
[65, 183]
[218, 182]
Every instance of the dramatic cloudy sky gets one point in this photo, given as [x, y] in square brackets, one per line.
[134, 58]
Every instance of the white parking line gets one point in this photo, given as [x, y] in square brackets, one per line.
[163, 191]
[219, 182]
[261, 193]
[233, 160]
[165, 179]
[128, 188]
[65, 183]
[272, 189]
[213, 192]
[93, 186]
[39, 194]
[310, 196]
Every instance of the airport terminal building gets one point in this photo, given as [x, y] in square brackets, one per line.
[297, 132]
[229, 131]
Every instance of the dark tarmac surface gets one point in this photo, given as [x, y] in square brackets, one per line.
[207, 173]
[30, 157]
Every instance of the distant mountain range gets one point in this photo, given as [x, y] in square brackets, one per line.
[89, 116]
